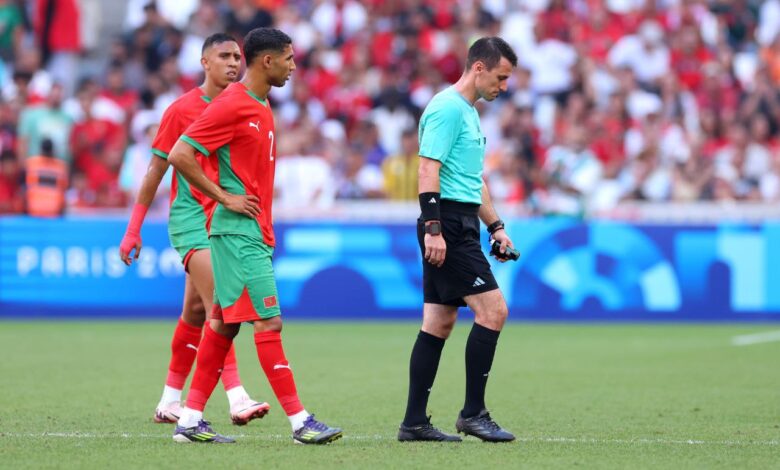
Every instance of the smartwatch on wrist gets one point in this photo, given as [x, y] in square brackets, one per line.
[433, 227]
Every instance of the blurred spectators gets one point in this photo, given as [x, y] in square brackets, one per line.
[11, 29]
[357, 179]
[98, 144]
[42, 121]
[136, 163]
[46, 179]
[11, 196]
[613, 100]
[400, 170]
[56, 24]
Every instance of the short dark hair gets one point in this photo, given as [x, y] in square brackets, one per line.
[216, 38]
[490, 50]
[260, 40]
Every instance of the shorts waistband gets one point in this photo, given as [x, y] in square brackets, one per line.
[466, 208]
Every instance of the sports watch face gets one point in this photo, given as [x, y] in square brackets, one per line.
[433, 228]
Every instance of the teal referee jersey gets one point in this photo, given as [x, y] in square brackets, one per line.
[450, 133]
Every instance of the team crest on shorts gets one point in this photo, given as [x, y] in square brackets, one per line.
[269, 301]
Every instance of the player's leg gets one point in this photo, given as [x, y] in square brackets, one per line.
[184, 347]
[217, 341]
[490, 312]
[264, 304]
[242, 408]
[438, 321]
[270, 352]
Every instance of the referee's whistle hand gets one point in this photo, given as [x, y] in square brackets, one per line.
[435, 249]
[243, 204]
[502, 237]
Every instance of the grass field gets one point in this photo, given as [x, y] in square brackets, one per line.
[81, 395]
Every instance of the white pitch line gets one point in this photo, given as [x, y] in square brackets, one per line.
[756, 338]
[377, 437]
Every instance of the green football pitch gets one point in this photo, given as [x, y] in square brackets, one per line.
[82, 395]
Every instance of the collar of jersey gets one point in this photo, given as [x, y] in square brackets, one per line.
[259, 100]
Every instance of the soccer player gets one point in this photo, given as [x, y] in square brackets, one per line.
[237, 131]
[221, 58]
[453, 198]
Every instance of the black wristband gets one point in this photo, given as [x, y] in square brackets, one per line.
[497, 225]
[430, 205]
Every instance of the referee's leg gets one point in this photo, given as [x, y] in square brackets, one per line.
[490, 313]
[438, 321]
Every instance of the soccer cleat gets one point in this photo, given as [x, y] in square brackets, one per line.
[315, 432]
[200, 433]
[246, 410]
[483, 427]
[168, 413]
[424, 432]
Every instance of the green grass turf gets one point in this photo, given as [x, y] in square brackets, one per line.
[595, 396]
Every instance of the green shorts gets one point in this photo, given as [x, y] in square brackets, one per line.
[244, 284]
[189, 241]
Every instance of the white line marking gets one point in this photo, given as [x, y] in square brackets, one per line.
[378, 437]
[756, 338]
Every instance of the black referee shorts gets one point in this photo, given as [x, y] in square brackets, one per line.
[465, 271]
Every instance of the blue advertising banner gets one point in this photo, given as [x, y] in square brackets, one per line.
[569, 271]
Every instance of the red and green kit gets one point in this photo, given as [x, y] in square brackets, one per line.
[237, 131]
[189, 207]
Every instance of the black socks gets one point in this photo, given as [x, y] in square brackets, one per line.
[422, 371]
[480, 349]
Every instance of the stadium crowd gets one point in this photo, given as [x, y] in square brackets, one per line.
[658, 100]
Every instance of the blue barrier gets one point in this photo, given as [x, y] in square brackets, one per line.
[569, 271]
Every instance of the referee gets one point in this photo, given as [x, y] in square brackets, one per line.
[453, 198]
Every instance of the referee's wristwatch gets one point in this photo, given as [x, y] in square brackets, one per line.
[495, 226]
[433, 227]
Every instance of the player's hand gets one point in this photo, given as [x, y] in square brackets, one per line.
[131, 241]
[435, 249]
[248, 205]
[501, 236]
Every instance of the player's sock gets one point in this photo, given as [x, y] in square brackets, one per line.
[211, 359]
[480, 349]
[297, 419]
[271, 355]
[236, 394]
[422, 371]
[170, 395]
[230, 377]
[184, 348]
[189, 417]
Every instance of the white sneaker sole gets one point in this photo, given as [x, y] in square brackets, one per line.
[181, 439]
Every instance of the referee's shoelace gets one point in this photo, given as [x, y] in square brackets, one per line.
[489, 423]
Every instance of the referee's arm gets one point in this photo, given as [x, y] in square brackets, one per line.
[488, 215]
[486, 211]
[428, 182]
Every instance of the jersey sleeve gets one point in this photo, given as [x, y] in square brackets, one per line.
[213, 129]
[167, 135]
[439, 130]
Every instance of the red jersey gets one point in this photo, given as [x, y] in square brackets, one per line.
[237, 130]
[189, 207]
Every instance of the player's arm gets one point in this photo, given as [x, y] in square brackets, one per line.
[429, 190]
[488, 215]
[182, 157]
[132, 238]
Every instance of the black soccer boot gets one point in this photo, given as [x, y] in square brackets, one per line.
[483, 427]
[424, 432]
